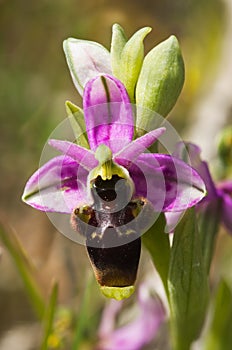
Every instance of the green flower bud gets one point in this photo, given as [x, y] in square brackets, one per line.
[127, 57]
[160, 81]
[117, 44]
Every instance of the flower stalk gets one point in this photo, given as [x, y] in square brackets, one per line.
[187, 283]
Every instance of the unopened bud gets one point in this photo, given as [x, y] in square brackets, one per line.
[160, 81]
[127, 57]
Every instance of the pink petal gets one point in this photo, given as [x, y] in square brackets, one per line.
[138, 146]
[81, 155]
[108, 113]
[58, 186]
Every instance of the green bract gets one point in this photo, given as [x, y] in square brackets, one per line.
[76, 118]
[160, 81]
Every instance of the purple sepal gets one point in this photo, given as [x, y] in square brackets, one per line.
[108, 113]
[86, 60]
[224, 191]
[167, 182]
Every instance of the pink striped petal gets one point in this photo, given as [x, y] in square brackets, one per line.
[108, 113]
[58, 186]
[81, 155]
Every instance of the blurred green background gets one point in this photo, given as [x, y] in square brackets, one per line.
[35, 82]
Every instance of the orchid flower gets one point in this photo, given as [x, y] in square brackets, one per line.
[107, 180]
[109, 185]
[137, 333]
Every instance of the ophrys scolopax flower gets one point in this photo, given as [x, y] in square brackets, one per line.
[114, 190]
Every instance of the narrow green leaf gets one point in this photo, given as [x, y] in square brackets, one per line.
[187, 283]
[220, 334]
[49, 317]
[157, 243]
[24, 267]
[118, 42]
[160, 81]
[131, 61]
[77, 121]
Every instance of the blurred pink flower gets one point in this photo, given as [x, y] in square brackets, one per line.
[220, 193]
[137, 333]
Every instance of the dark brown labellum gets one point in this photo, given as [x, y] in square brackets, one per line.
[117, 266]
[112, 233]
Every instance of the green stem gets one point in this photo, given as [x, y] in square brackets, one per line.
[157, 243]
[187, 283]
